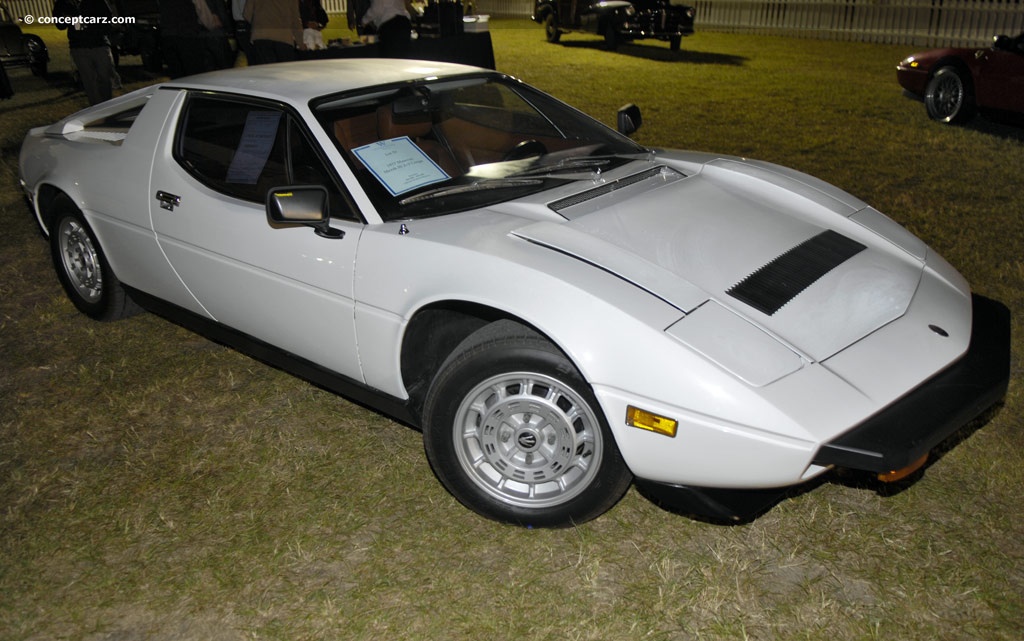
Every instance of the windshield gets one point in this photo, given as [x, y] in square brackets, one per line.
[442, 146]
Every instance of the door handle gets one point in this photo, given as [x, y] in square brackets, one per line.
[168, 200]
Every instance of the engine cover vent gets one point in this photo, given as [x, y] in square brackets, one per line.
[772, 286]
[608, 188]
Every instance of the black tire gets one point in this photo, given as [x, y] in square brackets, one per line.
[551, 31]
[82, 267]
[38, 55]
[611, 37]
[949, 97]
[514, 432]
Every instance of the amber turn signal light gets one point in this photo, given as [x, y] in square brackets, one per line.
[650, 421]
[902, 473]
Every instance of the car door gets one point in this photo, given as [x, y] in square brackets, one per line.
[1001, 76]
[284, 285]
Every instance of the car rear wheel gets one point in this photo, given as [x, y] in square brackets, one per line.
[515, 433]
[551, 31]
[82, 268]
[948, 96]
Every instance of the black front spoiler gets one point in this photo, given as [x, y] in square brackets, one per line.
[912, 426]
[893, 439]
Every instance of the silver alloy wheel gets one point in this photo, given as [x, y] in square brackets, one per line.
[947, 96]
[81, 260]
[527, 439]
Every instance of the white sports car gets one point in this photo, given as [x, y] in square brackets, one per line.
[559, 309]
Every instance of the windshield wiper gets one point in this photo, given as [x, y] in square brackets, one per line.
[480, 185]
[566, 165]
[574, 164]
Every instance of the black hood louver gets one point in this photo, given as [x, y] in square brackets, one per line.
[772, 286]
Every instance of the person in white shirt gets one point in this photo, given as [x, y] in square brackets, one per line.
[394, 26]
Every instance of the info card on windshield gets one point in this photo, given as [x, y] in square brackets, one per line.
[400, 165]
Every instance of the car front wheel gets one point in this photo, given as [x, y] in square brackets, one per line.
[948, 96]
[82, 268]
[611, 38]
[514, 432]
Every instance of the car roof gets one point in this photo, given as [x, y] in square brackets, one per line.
[304, 80]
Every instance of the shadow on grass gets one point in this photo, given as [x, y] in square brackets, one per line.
[660, 54]
[1001, 124]
[136, 73]
[1008, 126]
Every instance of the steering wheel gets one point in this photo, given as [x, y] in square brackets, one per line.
[525, 149]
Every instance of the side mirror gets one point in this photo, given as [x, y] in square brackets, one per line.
[629, 119]
[305, 205]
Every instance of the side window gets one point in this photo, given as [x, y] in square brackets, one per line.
[244, 149]
[233, 147]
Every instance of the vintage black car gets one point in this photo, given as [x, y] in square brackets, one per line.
[19, 49]
[617, 20]
[142, 36]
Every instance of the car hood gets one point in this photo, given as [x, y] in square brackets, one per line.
[780, 249]
[931, 55]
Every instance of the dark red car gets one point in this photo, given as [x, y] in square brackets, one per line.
[957, 83]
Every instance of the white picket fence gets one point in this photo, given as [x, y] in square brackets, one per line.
[914, 22]
[930, 23]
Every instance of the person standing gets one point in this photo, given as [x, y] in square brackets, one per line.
[213, 34]
[314, 19]
[241, 26]
[276, 30]
[394, 26]
[89, 44]
[179, 37]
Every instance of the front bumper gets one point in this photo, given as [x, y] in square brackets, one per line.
[913, 80]
[895, 438]
[16, 60]
[660, 24]
[911, 427]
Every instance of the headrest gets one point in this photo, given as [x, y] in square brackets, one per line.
[390, 125]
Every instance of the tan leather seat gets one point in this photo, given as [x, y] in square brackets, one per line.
[419, 129]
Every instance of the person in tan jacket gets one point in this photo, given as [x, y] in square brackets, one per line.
[276, 30]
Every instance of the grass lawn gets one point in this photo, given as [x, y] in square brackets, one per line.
[155, 485]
